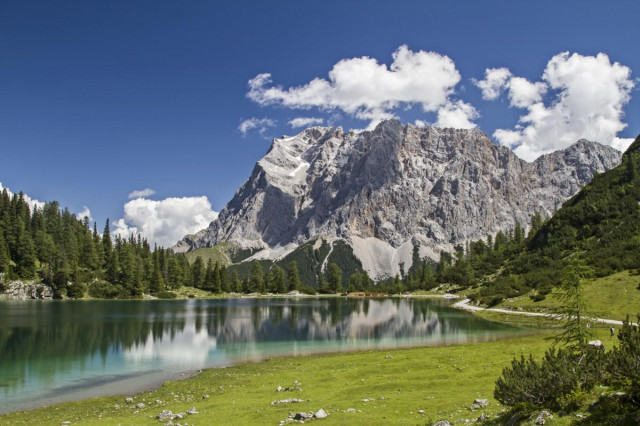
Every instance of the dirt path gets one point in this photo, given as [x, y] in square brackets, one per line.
[464, 304]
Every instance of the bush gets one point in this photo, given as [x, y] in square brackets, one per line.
[101, 289]
[166, 295]
[557, 382]
[76, 290]
[624, 361]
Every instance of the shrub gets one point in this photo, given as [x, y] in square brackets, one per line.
[166, 295]
[101, 289]
[624, 361]
[76, 290]
[556, 382]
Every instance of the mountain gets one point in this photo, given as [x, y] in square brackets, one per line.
[386, 190]
[602, 221]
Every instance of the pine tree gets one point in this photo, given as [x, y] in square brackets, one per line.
[107, 244]
[279, 284]
[209, 278]
[5, 260]
[224, 280]
[236, 284]
[256, 282]
[335, 277]
[575, 334]
[25, 256]
[293, 279]
[197, 272]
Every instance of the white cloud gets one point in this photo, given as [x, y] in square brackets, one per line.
[84, 213]
[494, 81]
[457, 115]
[166, 221]
[31, 201]
[522, 93]
[261, 124]
[305, 121]
[142, 193]
[368, 90]
[421, 123]
[588, 94]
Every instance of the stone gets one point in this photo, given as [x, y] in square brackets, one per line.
[383, 191]
[320, 414]
[18, 290]
[421, 412]
[192, 410]
[350, 410]
[388, 357]
[301, 416]
[479, 403]
[165, 415]
[128, 400]
[543, 417]
[287, 401]
[442, 423]
[205, 396]
[140, 405]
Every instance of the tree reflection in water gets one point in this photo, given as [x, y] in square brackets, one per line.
[49, 345]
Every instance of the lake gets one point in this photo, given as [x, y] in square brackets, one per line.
[52, 351]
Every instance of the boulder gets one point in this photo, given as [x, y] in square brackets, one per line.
[320, 414]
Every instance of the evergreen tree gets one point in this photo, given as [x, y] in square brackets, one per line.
[293, 279]
[575, 334]
[209, 277]
[198, 272]
[107, 244]
[5, 260]
[25, 256]
[236, 284]
[335, 277]
[279, 284]
[225, 284]
[256, 282]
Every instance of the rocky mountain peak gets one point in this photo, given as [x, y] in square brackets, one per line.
[385, 190]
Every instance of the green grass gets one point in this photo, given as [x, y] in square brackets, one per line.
[612, 297]
[216, 254]
[442, 381]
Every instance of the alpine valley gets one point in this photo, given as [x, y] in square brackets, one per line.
[368, 200]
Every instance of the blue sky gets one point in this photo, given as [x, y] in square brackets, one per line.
[100, 99]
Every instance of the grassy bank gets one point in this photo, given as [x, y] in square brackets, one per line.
[442, 381]
[613, 297]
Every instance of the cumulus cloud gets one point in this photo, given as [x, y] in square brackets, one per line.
[457, 115]
[495, 79]
[85, 212]
[368, 90]
[305, 121]
[587, 97]
[33, 203]
[141, 193]
[259, 124]
[166, 221]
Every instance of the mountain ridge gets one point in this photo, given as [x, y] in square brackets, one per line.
[388, 189]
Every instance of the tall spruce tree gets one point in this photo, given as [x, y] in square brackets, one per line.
[293, 278]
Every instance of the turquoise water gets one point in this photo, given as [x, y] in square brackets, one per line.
[53, 351]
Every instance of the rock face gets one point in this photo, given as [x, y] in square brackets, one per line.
[384, 191]
[17, 290]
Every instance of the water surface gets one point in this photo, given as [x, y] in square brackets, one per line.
[53, 351]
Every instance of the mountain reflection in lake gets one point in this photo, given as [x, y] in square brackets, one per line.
[60, 350]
